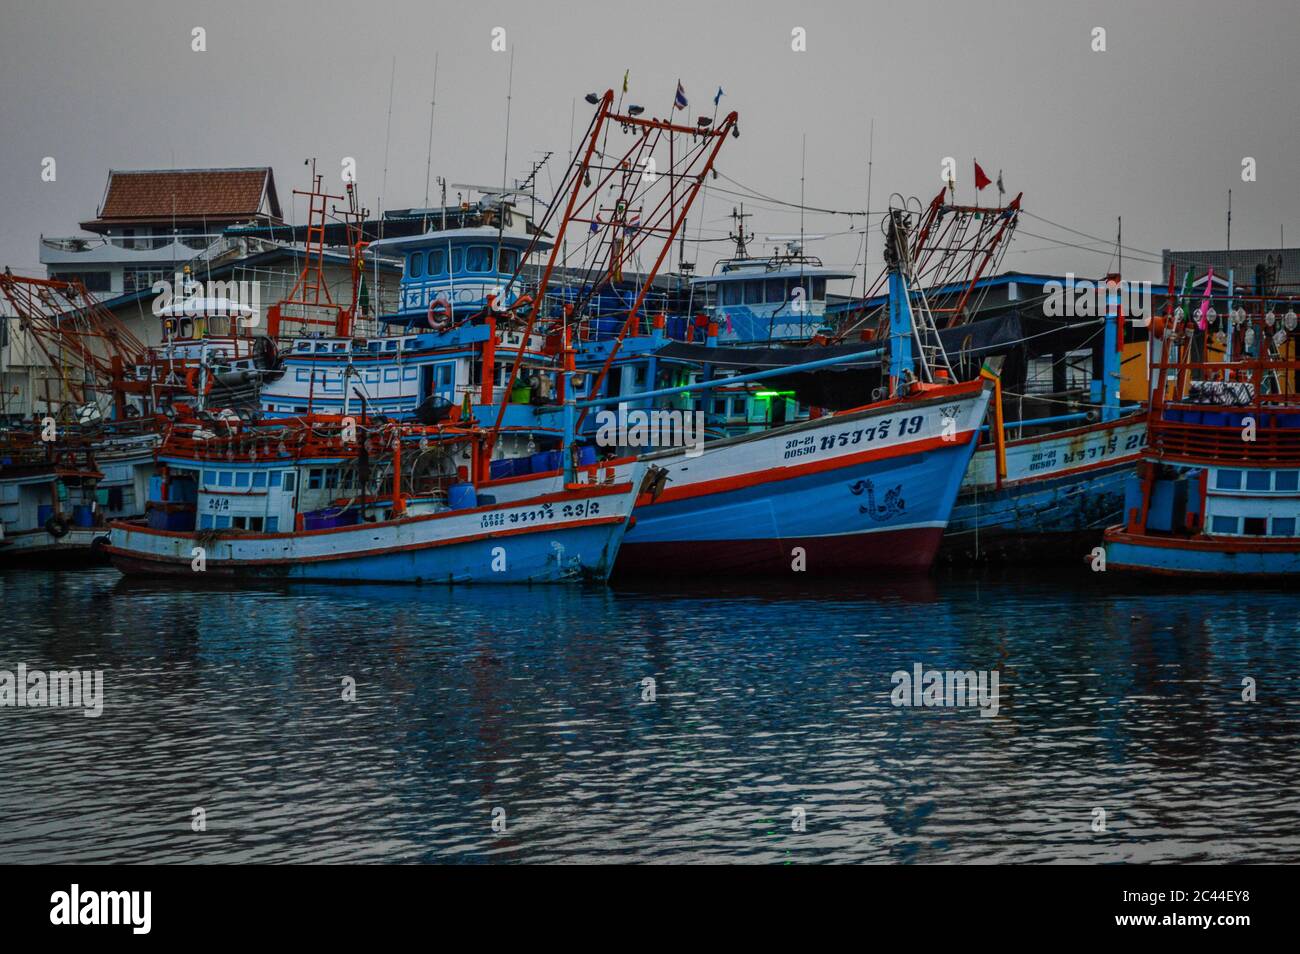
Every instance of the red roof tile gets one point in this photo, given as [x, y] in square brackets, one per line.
[187, 193]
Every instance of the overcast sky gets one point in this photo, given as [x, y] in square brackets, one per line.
[1154, 129]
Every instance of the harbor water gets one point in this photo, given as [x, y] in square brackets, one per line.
[422, 724]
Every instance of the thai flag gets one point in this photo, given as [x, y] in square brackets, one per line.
[680, 100]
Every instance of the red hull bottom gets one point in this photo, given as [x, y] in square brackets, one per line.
[910, 551]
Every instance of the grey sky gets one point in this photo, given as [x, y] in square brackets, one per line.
[1153, 129]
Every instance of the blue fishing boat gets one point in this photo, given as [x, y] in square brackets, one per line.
[348, 499]
[1218, 489]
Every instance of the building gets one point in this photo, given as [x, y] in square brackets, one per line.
[152, 221]
[1250, 267]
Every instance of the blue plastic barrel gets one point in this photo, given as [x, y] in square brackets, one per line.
[83, 515]
[586, 455]
[462, 497]
[43, 513]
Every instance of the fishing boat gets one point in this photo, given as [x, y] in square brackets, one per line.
[1216, 493]
[58, 495]
[867, 489]
[1049, 491]
[347, 499]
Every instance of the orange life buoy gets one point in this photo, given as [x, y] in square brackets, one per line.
[439, 314]
[191, 374]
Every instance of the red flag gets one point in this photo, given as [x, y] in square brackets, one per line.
[981, 180]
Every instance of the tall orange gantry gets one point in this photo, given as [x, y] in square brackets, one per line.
[86, 345]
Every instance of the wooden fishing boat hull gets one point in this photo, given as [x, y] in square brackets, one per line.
[570, 536]
[1060, 492]
[1201, 556]
[864, 490]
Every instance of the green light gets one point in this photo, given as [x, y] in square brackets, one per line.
[772, 394]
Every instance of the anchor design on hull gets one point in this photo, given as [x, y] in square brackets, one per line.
[891, 506]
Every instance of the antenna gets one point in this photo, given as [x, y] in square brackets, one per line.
[739, 236]
[392, 78]
[428, 162]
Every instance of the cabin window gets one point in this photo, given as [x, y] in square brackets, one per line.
[720, 407]
[731, 293]
[275, 478]
[226, 478]
[457, 259]
[1254, 526]
[241, 478]
[1258, 479]
[444, 373]
[1228, 480]
[438, 261]
[1284, 526]
[508, 261]
[390, 346]
[478, 258]
[272, 524]
[223, 523]
[314, 478]
[205, 521]
[775, 289]
[259, 479]
[415, 264]
[331, 479]
[1285, 480]
[290, 481]
[1224, 524]
[209, 478]
[753, 292]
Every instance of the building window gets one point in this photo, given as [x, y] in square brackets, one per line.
[141, 279]
[94, 281]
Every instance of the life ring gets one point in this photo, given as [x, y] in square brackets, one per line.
[57, 527]
[191, 385]
[439, 314]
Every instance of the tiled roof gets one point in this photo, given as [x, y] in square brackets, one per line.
[233, 194]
